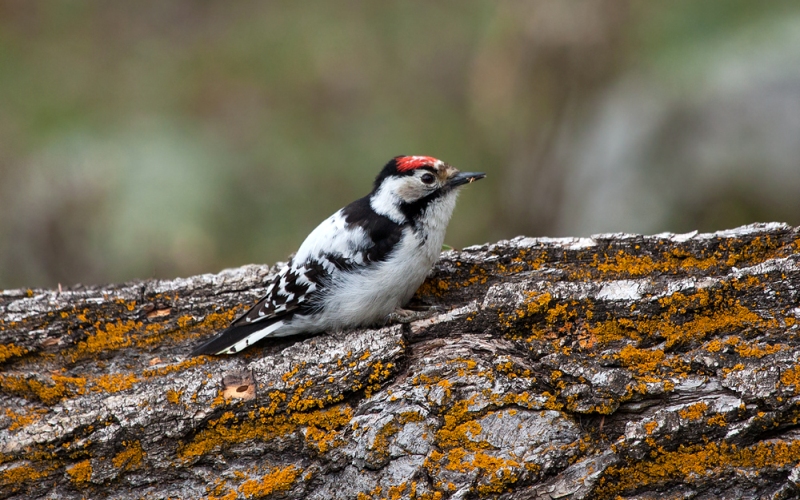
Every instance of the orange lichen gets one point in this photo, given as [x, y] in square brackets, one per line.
[756, 250]
[614, 329]
[114, 382]
[791, 377]
[535, 303]
[220, 491]
[262, 426]
[59, 387]
[691, 462]
[177, 367]
[114, 336]
[512, 370]
[291, 373]
[495, 473]
[460, 428]
[19, 420]
[679, 259]
[299, 403]
[561, 312]
[463, 452]
[174, 396]
[380, 444]
[188, 327]
[410, 416]
[465, 366]
[633, 265]
[322, 429]
[81, 472]
[279, 479]
[396, 492]
[711, 314]
[11, 351]
[694, 412]
[372, 494]
[498, 473]
[642, 360]
[746, 350]
[445, 385]
[433, 287]
[17, 476]
[735, 368]
[379, 374]
[129, 458]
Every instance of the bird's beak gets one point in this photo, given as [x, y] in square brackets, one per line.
[464, 178]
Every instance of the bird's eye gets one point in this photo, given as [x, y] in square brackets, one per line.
[428, 178]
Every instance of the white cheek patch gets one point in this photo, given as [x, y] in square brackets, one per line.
[385, 201]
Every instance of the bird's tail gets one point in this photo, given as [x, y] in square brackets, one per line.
[236, 337]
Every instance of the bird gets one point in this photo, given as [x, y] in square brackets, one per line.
[361, 264]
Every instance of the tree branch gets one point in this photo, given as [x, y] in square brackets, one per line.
[618, 365]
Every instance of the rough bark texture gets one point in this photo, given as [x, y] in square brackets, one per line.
[613, 366]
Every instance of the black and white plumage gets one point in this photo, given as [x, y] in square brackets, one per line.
[360, 264]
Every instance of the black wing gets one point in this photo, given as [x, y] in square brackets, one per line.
[291, 292]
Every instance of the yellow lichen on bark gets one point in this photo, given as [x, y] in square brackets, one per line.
[59, 387]
[9, 351]
[460, 428]
[791, 377]
[81, 472]
[322, 429]
[16, 476]
[641, 360]
[279, 479]
[174, 396]
[20, 419]
[694, 412]
[695, 461]
[114, 382]
[129, 458]
[113, 336]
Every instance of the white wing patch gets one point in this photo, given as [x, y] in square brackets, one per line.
[251, 339]
[331, 237]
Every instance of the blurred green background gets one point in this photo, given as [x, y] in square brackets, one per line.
[166, 138]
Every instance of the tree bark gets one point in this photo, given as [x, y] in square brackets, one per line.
[613, 366]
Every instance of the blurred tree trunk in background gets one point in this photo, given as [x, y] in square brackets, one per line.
[535, 77]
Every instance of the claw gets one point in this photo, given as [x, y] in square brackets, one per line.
[404, 316]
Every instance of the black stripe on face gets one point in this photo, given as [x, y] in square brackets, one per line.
[415, 209]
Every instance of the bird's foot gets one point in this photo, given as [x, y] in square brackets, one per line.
[404, 316]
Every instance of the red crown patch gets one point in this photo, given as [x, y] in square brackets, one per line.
[405, 163]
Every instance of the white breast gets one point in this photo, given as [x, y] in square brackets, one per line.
[365, 297]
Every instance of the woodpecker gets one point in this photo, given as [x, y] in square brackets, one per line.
[360, 265]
